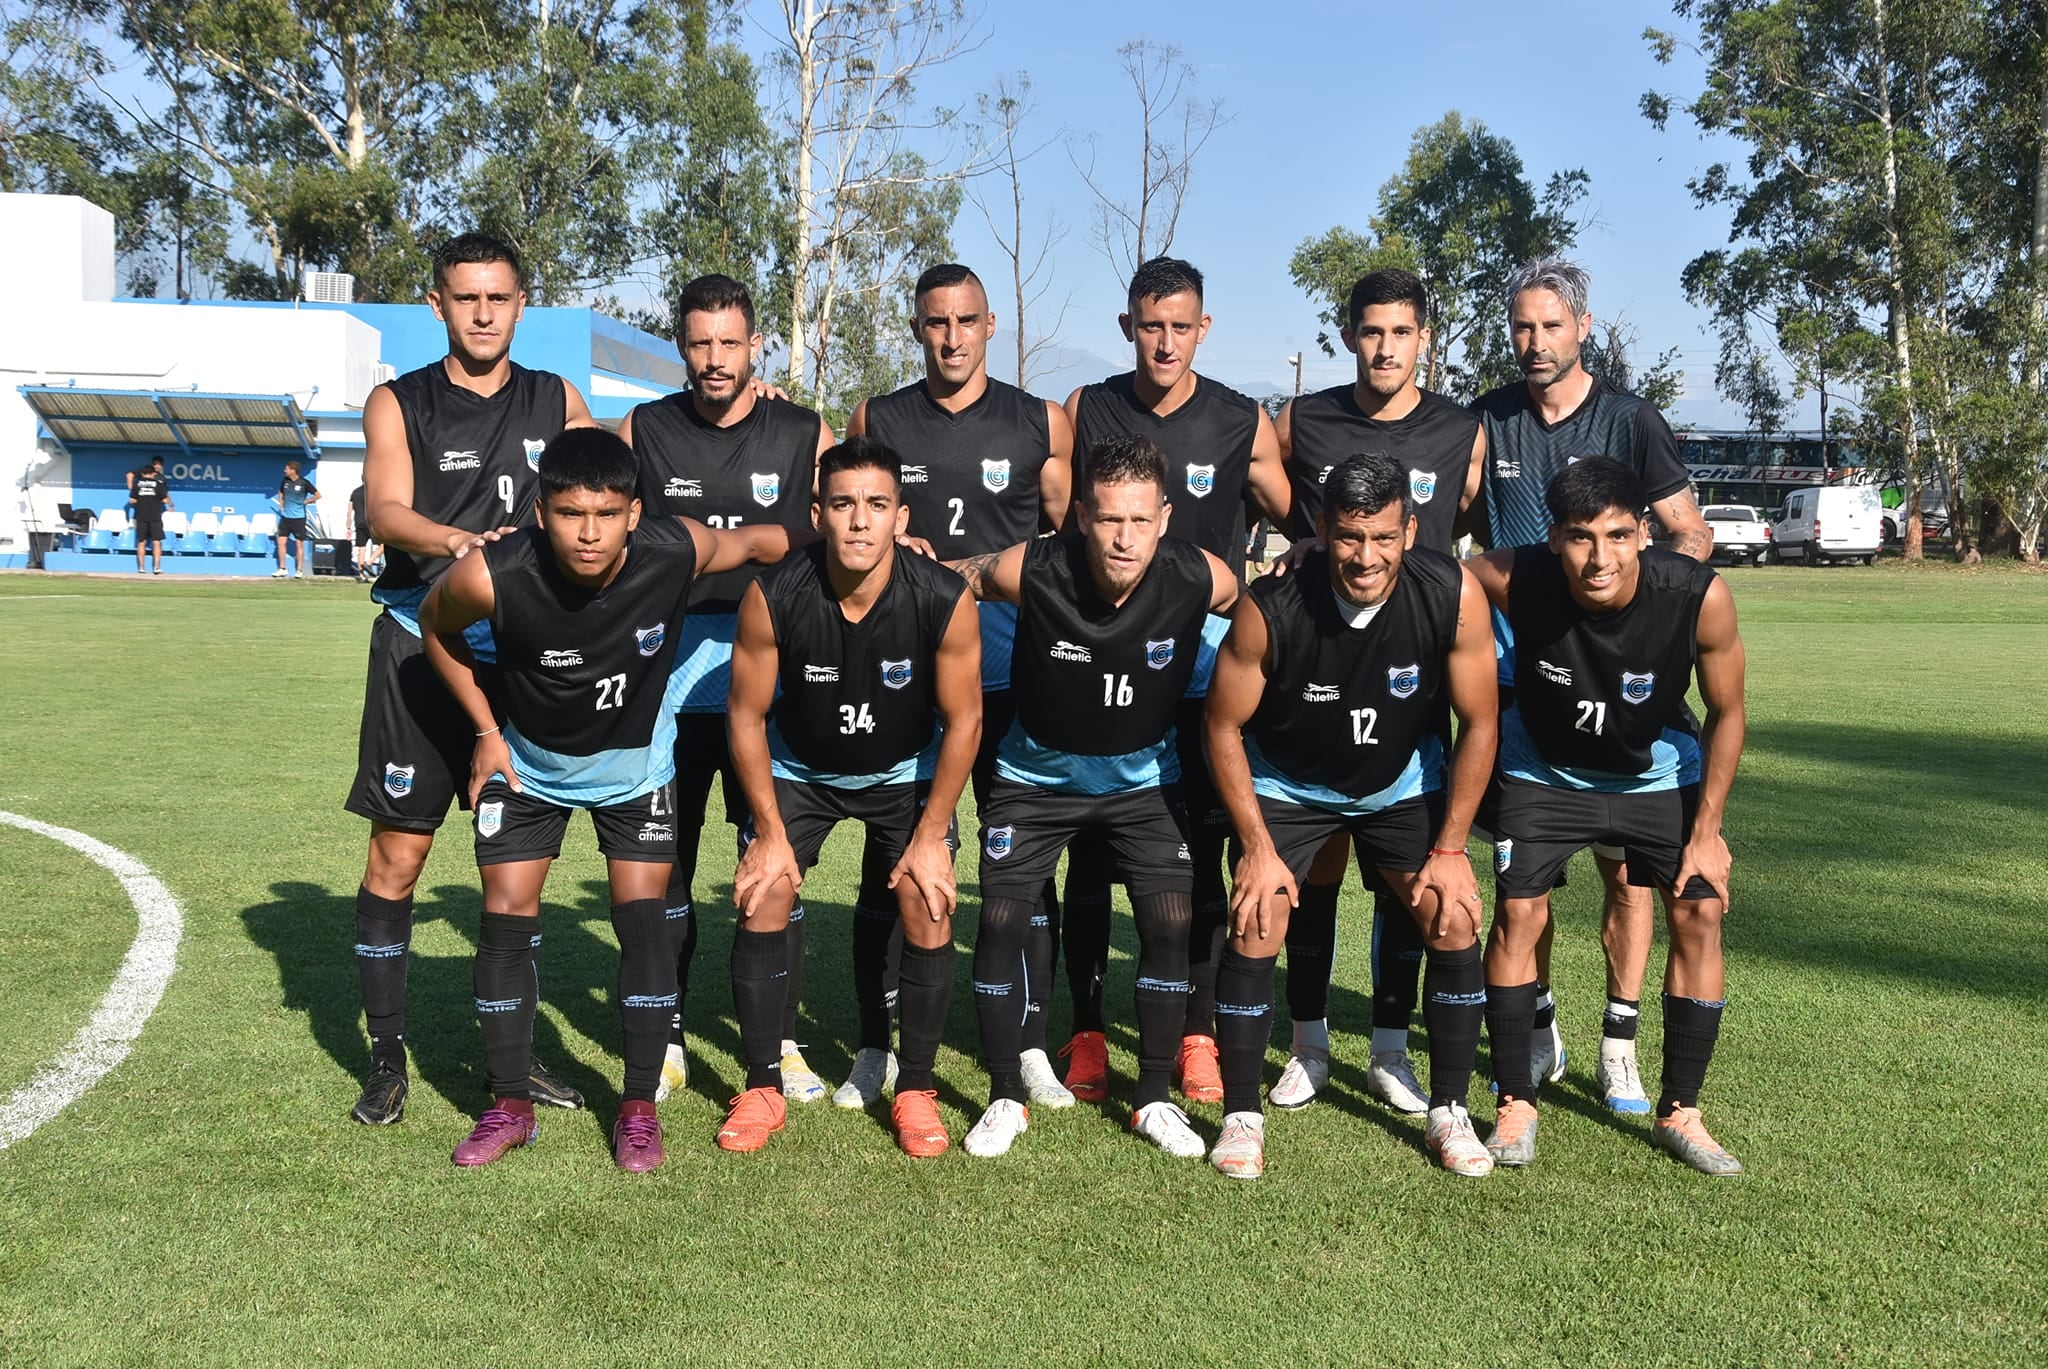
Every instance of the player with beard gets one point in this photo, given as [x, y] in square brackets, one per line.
[729, 455]
[451, 460]
[986, 466]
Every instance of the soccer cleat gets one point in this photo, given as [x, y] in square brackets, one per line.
[497, 1131]
[1391, 1079]
[1546, 1054]
[1196, 1070]
[279, 573]
[1240, 1151]
[1307, 1073]
[800, 1083]
[1005, 1120]
[298, 575]
[1685, 1138]
[1456, 1146]
[1621, 1086]
[1167, 1127]
[636, 1137]
[675, 1070]
[873, 1074]
[1513, 1142]
[753, 1117]
[543, 1085]
[1040, 1082]
[1087, 1057]
[914, 1117]
[383, 1097]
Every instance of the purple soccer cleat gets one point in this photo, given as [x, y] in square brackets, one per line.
[497, 1131]
[636, 1137]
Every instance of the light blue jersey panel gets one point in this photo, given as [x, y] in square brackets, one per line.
[1021, 759]
[787, 767]
[600, 780]
[998, 643]
[702, 677]
[404, 607]
[1674, 763]
[1424, 775]
[1214, 627]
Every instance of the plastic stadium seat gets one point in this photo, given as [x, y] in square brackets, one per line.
[257, 540]
[200, 535]
[233, 538]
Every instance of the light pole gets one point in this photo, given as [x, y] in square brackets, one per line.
[1295, 362]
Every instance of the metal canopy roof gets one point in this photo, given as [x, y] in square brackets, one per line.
[189, 420]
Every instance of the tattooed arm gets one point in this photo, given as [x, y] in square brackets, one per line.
[993, 576]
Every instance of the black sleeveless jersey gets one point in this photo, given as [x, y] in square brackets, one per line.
[1208, 446]
[1596, 690]
[1345, 708]
[970, 480]
[1523, 453]
[759, 470]
[1094, 679]
[149, 493]
[1433, 443]
[858, 698]
[475, 458]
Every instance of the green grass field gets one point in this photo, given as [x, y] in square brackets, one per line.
[1880, 1071]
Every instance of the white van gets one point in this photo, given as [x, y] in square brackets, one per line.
[1830, 523]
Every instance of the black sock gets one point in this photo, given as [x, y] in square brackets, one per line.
[796, 945]
[383, 939]
[1041, 952]
[1163, 923]
[682, 931]
[1546, 1008]
[1206, 938]
[647, 994]
[877, 952]
[1084, 928]
[1618, 1023]
[1244, 1023]
[1397, 955]
[925, 998]
[1311, 946]
[1001, 1000]
[760, 976]
[1510, 1025]
[1453, 1006]
[506, 997]
[1690, 1029]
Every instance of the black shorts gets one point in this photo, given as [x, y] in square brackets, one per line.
[704, 752]
[149, 528]
[890, 812]
[1206, 813]
[1024, 829]
[362, 537]
[513, 827]
[1539, 827]
[1397, 837]
[291, 527]
[412, 754]
[998, 711]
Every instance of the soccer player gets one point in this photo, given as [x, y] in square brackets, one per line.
[1600, 745]
[1325, 716]
[150, 493]
[450, 464]
[1436, 441]
[870, 651]
[583, 611]
[367, 553]
[295, 499]
[1561, 413]
[989, 467]
[728, 455]
[1109, 622]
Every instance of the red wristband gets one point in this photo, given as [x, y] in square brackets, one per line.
[1446, 851]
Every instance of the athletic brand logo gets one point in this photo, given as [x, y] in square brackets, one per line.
[1556, 674]
[1320, 694]
[656, 831]
[767, 488]
[1159, 655]
[498, 1005]
[1182, 854]
[1201, 480]
[895, 674]
[534, 447]
[1503, 855]
[397, 780]
[679, 488]
[490, 818]
[1323, 475]
[913, 475]
[1402, 680]
[648, 1000]
[1064, 650]
[556, 660]
[821, 674]
[999, 840]
[1636, 688]
[995, 475]
[460, 461]
[650, 638]
[1507, 468]
[1422, 486]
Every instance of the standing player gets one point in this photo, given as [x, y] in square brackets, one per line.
[1109, 623]
[729, 456]
[870, 650]
[583, 611]
[150, 493]
[295, 499]
[1221, 454]
[1599, 745]
[987, 466]
[1326, 716]
[1562, 413]
[450, 463]
[366, 552]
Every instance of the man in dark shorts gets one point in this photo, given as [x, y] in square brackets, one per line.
[367, 554]
[295, 500]
[150, 493]
[583, 611]
[1326, 716]
[856, 696]
[1599, 745]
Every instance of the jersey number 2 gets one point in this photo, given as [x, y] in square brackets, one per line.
[959, 508]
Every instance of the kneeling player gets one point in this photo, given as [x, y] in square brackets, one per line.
[1325, 717]
[584, 609]
[1600, 746]
[871, 650]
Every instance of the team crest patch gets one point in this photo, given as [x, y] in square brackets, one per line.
[650, 638]
[767, 488]
[534, 447]
[1402, 680]
[1201, 480]
[397, 780]
[1422, 486]
[1503, 855]
[896, 674]
[1159, 655]
[999, 842]
[1636, 688]
[490, 819]
[995, 475]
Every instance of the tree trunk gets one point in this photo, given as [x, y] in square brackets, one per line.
[1895, 285]
[1017, 259]
[803, 34]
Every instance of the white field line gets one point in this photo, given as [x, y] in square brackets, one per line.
[137, 988]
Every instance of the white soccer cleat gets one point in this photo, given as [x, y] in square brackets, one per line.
[675, 1071]
[999, 1127]
[1455, 1144]
[1240, 1151]
[873, 1074]
[1306, 1075]
[1041, 1083]
[1166, 1126]
[1621, 1085]
[1546, 1053]
[1391, 1079]
[800, 1083]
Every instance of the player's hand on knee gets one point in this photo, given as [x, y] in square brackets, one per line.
[1707, 857]
[928, 865]
[1449, 877]
[768, 861]
[1259, 876]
